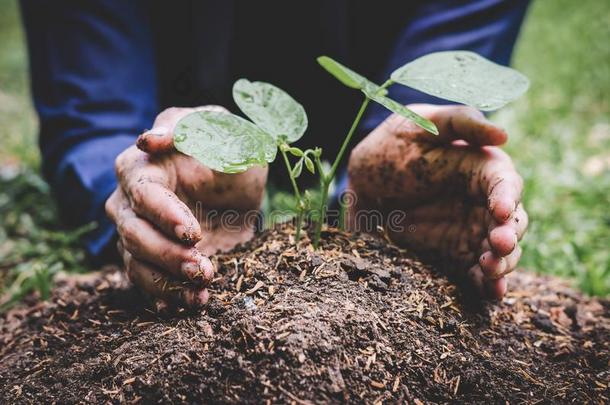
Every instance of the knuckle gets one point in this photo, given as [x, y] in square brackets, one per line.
[170, 114]
[173, 257]
[138, 193]
[121, 161]
[119, 165]
[127, 160]
[171, 111]
[464, 109]
[470, 111]
[120, 248]
[109, 206]
[128, 230]
[212, 107]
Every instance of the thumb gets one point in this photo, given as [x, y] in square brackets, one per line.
[458, 122]
[156, 140]
[160, 139]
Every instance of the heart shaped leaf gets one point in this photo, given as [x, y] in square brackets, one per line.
[400, 109]
[464, 77]
[223, 142]
[271, 108]
[347, 76]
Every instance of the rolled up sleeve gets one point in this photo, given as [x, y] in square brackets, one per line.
[94, 89]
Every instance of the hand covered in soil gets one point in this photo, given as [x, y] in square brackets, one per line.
[455, 196]
[168, 210]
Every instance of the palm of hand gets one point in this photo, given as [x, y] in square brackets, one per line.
[217, 200]
[442, 196]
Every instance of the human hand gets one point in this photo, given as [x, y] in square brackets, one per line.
[459, 192]
[161, 207]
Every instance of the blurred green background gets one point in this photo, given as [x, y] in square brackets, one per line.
[560, 141]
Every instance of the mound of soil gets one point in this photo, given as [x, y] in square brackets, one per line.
[358, 321]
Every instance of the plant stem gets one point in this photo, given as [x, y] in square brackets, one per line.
[297, 195]
[327, 178]
[321, 214]
[335, 166]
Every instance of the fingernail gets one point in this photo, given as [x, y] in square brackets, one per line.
[206, 267]
[157, 131]
[161, 306]
[184, 234]
[202, 297]
[197, 298]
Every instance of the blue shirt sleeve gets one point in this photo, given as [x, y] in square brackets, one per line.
[94, 88]
[487, 27]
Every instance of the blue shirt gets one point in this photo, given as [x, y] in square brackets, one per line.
[101, 70]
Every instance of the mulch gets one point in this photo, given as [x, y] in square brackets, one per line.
[357, 321]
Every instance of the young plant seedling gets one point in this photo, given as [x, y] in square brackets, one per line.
[230, 144]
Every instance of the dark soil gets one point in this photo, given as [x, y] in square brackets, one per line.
[359, 321]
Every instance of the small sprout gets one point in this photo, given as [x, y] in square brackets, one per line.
[230, 144]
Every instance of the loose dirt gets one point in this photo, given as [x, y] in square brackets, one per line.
[358, 321]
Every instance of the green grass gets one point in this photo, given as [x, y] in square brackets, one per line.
[560, 141]
[17, 119]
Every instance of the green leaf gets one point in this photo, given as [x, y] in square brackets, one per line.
[271, 108]
[223, 142]
[297, 169]
[347, 76]
[342, 73]
[464, 77]
[309, 164]
[400, 109]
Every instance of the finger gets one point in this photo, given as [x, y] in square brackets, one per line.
[502, 240]
[114, 204]
[458, 122]
[495, 288]
[475, 274]
[495, 267]
[517, 222]
[512, 260]
[161, 306]
[161, 286]
[504, 195]
[497, 181]
[499, 235]
[148, 244]
[520, 221]
[152, 200]
[492, 265]
[160, 139]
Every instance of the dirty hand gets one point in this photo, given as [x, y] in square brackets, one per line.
[455, 195]
[169, 209]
